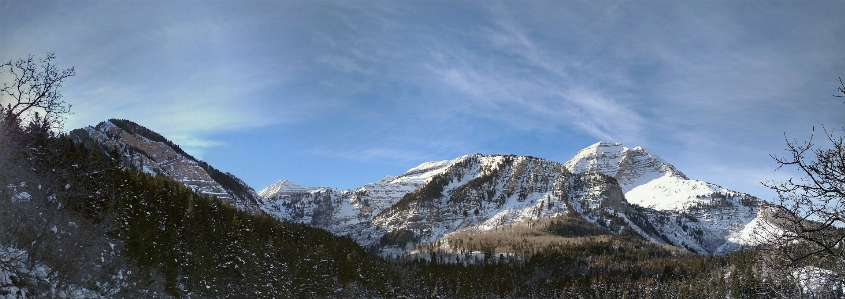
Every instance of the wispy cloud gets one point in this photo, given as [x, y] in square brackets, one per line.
[523, 86]
[697, 82]
[603, 117]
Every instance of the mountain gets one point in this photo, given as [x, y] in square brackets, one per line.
[142, 149]
[613, 188]
[605, 188]
[715, 215]
[347, 212]
[281, 188]
[612, 220]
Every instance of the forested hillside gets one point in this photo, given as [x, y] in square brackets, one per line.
[75, 222]
[144, 150]
[66, 206]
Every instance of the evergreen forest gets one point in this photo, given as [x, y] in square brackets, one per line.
[108, 232]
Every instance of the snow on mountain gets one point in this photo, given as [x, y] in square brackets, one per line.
[603, 157]
[281, 188]
[710, 212]
[631, 167]
[147, 151]
[724, 220]
[482, 192]
[422, 172]
[474, 192]
[757, 231]
[607, 184]
[673, 193]
[376, 197]
[346, 212]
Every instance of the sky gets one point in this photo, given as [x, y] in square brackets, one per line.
[342, 93]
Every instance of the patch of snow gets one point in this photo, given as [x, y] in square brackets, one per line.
[643, 179]
[348, 212]
[106, 126]
[670, 193]
[756, 232]
[814, 279]
[423, 172]
[23, 196]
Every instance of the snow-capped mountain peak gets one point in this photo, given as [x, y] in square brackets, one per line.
[606, 183]
[632, 167]
[282, 187]
[650, 182]
[603, 157]
[475, 193]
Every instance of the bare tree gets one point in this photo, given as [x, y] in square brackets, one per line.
[33, 93]
[807, 230]
[47, 249]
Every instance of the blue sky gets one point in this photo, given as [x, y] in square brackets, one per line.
[341, 93]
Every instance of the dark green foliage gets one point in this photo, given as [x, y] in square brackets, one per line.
[228, 181]
[204, 246]
[640, 218]
[574, 226]
[199, 246]
[622, 267]
[478, 190]
[399, 238]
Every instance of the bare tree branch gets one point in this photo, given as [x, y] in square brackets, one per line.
[810, 212]
[33, 94]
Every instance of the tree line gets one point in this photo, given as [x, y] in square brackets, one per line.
[74, 223]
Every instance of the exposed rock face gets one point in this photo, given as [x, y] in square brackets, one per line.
[480, 191]
[148, 151]
[613, 187]
[704, 214]
[281, 188]
[607, 184]
[630, 167]
[349, 212]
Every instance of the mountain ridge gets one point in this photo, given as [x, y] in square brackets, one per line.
[617, 189]
[689, 220]
[145, 150]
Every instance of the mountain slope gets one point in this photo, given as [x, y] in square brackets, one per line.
[689, 212]
[145, 150]
[615, 188]
[346, 212]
